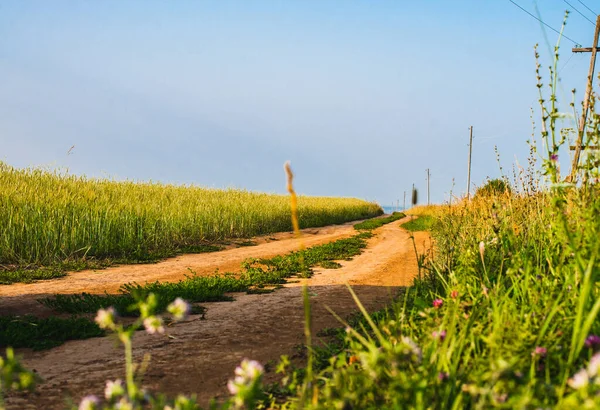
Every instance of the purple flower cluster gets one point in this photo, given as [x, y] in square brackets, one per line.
[592, 342]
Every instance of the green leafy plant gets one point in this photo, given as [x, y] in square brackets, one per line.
[493, 187]
[13, 376]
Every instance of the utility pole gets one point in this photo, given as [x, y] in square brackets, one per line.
[470, 153]
[428, 186]
[586, 101]
[404, 204]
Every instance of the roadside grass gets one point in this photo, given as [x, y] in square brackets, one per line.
[333, 346]
[505, 316]
[28, 275]
[377, 222]
[422, 223]
[38, 334]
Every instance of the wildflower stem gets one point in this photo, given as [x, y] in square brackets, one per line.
[131, 387]
[308, 334]
[1, 394]
[412, 237]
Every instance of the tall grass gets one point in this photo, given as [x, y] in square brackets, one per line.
[48, 217]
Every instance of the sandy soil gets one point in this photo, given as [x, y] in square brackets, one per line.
[199, 356]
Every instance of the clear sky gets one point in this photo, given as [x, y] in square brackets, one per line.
[361, 96]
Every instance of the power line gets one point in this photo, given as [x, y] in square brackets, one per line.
[593, 12]
[569, 59]
[550, 27]
[582, 15]
[565, 64]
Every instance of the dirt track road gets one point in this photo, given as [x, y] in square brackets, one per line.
[21, 298]
[200, 355]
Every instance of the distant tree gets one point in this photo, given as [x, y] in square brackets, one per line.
[493, 187]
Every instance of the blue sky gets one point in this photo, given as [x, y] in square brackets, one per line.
[361, 96]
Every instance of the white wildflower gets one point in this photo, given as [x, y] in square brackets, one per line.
[105, 318]
[413, 347]
[250, 369]
[89, 403]
[594, 365]
[233, 387]
[154, 325]
[579, 380]
[179, 309]
[246, 375]
[124, 404]
[114, 389]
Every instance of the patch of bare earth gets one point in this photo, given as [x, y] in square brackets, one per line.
[200, 355]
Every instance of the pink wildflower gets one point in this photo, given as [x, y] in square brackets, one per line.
[441, 335]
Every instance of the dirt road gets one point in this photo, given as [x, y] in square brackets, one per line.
[21, 298]
[200, 355]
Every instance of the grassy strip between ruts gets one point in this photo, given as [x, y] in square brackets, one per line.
[421, 223]
[257, 273]
[258, 276]
[370, 224]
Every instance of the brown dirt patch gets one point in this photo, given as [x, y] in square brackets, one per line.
[200, 355]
